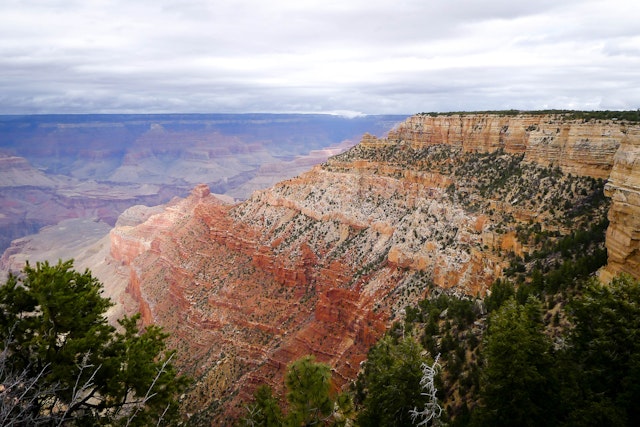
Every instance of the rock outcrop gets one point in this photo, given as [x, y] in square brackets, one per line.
[623, 187]
[323, 263]
[577, 146]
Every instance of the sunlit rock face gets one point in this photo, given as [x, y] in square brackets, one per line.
[323, 263]
[578, 147]
[623, 187]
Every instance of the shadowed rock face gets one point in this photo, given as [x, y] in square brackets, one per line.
[322, 263]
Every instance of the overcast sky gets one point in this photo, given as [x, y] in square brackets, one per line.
[351, 56]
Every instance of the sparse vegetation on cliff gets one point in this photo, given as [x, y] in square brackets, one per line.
[325, 262]
[560, 248]
[569, 373]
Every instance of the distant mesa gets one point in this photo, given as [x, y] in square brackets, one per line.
[95, 166]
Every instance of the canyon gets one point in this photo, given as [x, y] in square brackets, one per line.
[56, 168]
[324, 262]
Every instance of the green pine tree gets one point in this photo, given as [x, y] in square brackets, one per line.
[73, 367]
[310, 397]
[602, 362]
[391, 383]
[265, 411]
[309, 386]
[517, 384]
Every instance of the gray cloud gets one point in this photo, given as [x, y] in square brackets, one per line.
[371, 56]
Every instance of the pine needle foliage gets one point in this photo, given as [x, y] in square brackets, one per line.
[63, 364]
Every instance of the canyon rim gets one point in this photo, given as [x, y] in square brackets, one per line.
[324, 262]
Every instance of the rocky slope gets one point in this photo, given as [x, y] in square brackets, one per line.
[324, 262]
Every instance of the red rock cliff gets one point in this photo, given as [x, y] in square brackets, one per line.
[322, 263]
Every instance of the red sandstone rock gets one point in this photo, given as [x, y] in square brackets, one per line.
[322, 263]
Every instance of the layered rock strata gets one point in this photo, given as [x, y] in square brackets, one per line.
[30, 199]
[623, 187]
[577, 146]
[324, 262]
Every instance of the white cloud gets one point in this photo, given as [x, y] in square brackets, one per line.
[372, 56]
